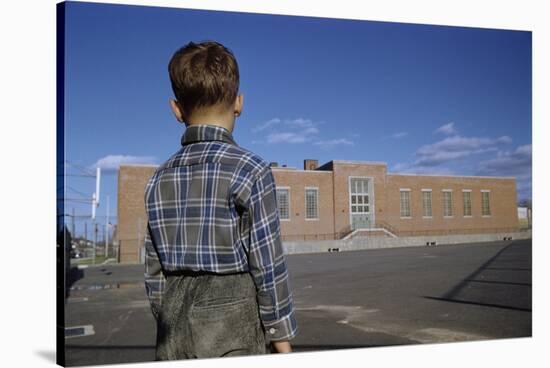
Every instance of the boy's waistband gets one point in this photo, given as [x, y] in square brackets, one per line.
[195, 273]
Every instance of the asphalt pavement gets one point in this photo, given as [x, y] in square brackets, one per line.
[343, 300]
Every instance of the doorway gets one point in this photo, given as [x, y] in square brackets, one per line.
[361, 202]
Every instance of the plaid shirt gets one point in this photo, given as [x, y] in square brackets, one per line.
[212, 206]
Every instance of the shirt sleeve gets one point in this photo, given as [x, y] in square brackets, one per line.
[155, 280]
[267, 261]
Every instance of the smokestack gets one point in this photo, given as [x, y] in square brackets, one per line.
[310, 164]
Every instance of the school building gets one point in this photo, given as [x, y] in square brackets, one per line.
[352, 198]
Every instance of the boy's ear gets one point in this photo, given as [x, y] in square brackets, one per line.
[239, 105]
[176, 109]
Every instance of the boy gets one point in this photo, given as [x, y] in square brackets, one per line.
[215, 272]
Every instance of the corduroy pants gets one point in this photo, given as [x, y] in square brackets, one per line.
[207, 315]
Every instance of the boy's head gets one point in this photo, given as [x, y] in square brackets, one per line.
[205, 81]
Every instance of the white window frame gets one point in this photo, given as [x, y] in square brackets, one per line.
[488, 202]
[443, 195]
[431, 203]
[372, 207]
[289, 201]
[467, 191]
[316, 189]
[400, 208]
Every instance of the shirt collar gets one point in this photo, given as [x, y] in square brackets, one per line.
[206, 132]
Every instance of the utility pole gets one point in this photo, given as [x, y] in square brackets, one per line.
[95, 197]
[86, 232]
[95, 239]
[73, 235]
[95, 203]
[107, 231]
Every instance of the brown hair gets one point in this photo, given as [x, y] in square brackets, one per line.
[204, 74]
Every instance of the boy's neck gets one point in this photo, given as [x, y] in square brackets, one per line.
[224, 120]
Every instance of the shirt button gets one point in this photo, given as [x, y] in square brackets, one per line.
[272, 330]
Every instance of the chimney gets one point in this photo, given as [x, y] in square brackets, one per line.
[310, 164]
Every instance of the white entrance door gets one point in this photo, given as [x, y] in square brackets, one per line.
[360, 202]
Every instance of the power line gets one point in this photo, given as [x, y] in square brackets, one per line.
[80, 168]
[78, 175]
[78, 200]
[77, 191]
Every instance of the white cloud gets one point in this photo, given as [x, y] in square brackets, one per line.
[298, 123]
[456, 147]
[514, 163]
[311, 130]
[447, 129]
[436, 157]
[440, 157]
[504, 139]
[286, 137]
[517, 163]
[399, 135]
[509, 163]
[525, 150]
[299, 130]
[334, 142]
[113, 162]
[266, 125]
[458, 143]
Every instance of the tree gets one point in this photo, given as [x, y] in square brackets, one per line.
[525, 203]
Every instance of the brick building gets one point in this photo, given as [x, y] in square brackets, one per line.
[342, 197]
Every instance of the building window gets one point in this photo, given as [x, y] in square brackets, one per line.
[447, 203]
[467, 202]
[312, 203]
[485, 208]
[283, 203]
[426, 202]
[405, 202]
[359, 196]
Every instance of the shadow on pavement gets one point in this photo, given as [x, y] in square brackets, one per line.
[481, 304]
[516, 253]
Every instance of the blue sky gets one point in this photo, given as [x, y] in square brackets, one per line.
[425, 99]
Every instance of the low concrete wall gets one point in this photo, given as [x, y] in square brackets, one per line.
[311, 246]
[376, 242]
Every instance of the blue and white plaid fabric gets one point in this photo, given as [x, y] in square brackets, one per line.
[212, 206]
